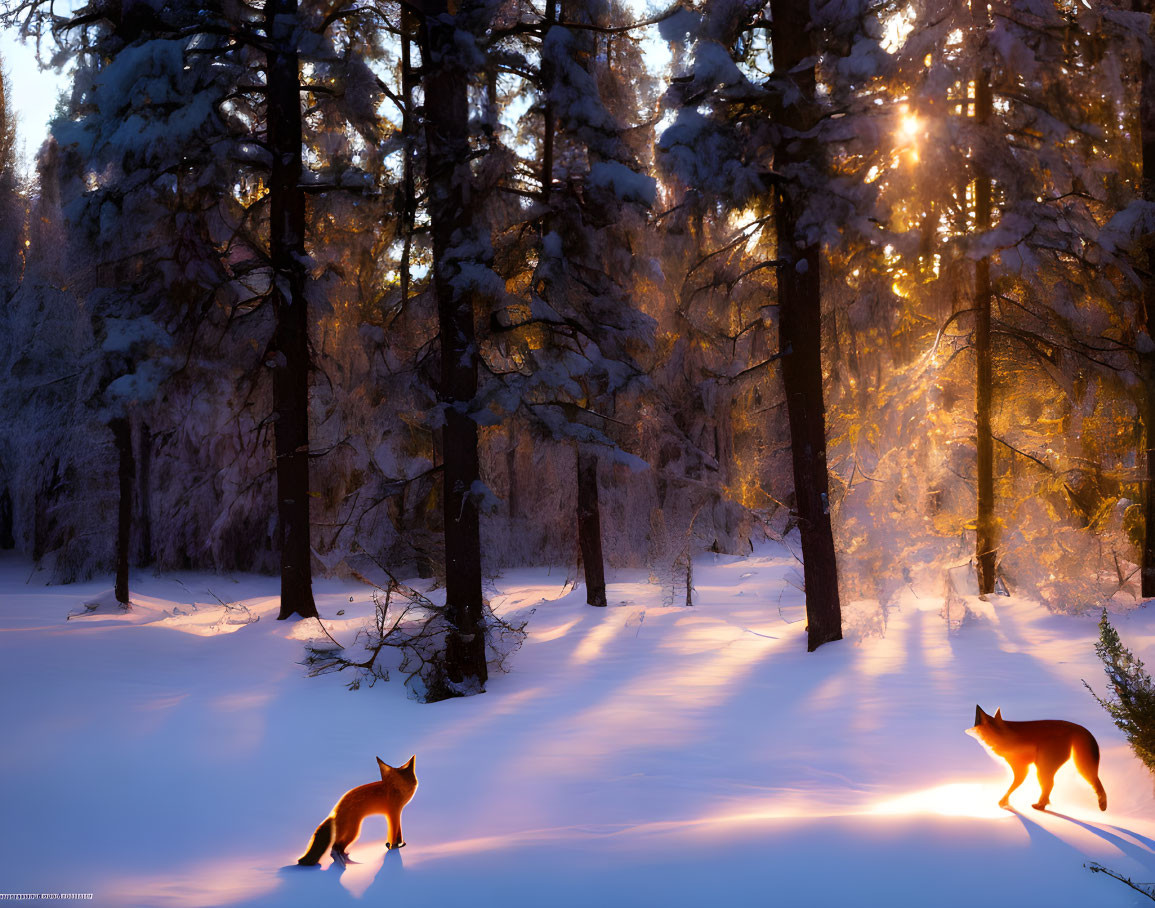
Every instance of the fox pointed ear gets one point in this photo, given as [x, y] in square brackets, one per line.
[999, 714]
[411, 764]
[382, 765]
[980, 715]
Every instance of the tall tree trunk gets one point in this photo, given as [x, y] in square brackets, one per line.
[143, 553]
[514, 499]
[985, 529]
[451, 222]
[1147, 359]
[590, 526]
[800, 331]
[126, 473]
[7, 540]
[291, 334]
[589, 521]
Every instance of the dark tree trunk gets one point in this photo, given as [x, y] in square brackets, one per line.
[514, 500]
[590, 527]
[451, 224]
[143, 554]
[1147, 360]
[7, 541]
[589, 521]
[291, 334]
[985, 529]
[800, 333]
[126, 473]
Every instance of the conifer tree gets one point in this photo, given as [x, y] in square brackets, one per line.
[591, 195]
[456, 242]
[724, 153]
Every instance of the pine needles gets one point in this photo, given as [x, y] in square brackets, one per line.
[1131, 696]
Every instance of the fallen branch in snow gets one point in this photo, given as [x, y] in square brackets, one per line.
[236, 612]
[417, 630]
[1138, 887]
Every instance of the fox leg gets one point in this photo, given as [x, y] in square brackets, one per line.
[344, 836]
[340, 853]
[395, 839]
[1020, 771]
[1047, 772]
[1087, 762]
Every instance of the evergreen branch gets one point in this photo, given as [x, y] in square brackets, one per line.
[342, 14]
[541, 27]
[1130, 700]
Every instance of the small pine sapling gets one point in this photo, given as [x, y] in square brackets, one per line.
[1132, 705]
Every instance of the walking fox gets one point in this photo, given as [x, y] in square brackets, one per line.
[342, 826]
[1048, 743]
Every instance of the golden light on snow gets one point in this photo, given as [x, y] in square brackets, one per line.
[954, 799]
[600, 636]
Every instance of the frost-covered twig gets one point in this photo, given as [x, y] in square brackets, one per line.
[1148, 891]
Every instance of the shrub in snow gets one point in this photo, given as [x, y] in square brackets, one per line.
[1131, 699]
[408, 632]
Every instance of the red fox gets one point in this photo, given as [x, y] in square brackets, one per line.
[342, 826]
[1048, 743]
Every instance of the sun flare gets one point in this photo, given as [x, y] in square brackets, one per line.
[910, 127]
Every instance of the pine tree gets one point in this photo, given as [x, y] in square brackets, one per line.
[582, 341]
[724, 153]
[1130, 699]
[12, 252]
[290, 346]
[456, 244]
[800, 321]
[170, 109]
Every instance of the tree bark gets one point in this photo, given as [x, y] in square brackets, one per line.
[590, 527]
[1147, 359]
[589, 521]
[800, 331]
[291, 333]
[451, 225]
[126, 473]
[985, 528]
[7, 541]
[514, 499]
[143, 553]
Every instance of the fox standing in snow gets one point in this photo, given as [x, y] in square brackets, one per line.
[1047, 743]
[342, 826]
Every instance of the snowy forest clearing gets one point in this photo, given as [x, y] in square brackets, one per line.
[638, 755]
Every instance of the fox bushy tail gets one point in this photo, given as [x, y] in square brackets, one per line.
[321, 840]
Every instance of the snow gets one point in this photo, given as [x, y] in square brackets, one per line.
[626, 184]
[177, 755]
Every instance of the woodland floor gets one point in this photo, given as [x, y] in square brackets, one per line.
[638, 755]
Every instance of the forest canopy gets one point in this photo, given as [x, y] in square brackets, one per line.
[442, 288]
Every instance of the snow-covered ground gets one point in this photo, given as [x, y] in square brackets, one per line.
[637, 755]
